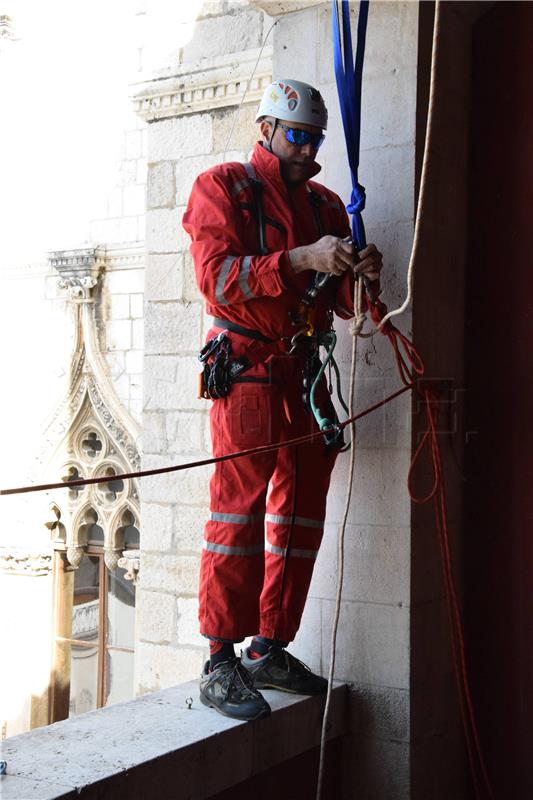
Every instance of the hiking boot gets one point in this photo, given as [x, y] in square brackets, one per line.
[278, 669]
[229, 689]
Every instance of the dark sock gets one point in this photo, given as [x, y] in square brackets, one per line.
[261, 645]
[219, 652]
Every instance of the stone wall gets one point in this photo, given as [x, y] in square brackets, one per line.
[184, 138]
[373, 641]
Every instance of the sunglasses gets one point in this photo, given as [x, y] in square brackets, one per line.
[300, 138]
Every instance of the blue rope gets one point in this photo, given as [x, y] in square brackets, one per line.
[349, 77]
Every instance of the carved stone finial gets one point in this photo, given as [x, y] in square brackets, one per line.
[79, 270]
[75, 555]
[131, 562]
[112, 558]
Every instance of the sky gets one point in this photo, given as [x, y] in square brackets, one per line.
[64, 105]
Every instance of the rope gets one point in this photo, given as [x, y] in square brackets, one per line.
[423, 178]
[266, 448]
[438, 495]
[340, 568]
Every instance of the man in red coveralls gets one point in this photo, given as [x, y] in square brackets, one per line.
[261, 233]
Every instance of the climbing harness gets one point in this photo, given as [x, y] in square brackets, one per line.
[306, 340]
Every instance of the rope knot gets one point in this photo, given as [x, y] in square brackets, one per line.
[357, 201]
[356, 324]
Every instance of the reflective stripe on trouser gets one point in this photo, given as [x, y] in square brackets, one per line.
[258, 556]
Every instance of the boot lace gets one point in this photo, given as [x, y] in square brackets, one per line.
[237, 679]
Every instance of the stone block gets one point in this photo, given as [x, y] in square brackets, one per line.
[137, 331]
[173, 396]
[124, 281]
[164, 233]
[170, 573]
[161, 189]
[119, 306]
[114, 203]
[380, 495]
[191, 291]
[376, 565]
[380, 712]
[156, 526]
[185, 431]
[114, 231]
[156, 611]
[229, 33]
[189, 486]
[142, 170]
[122, 387]
[391, 40]
[376, 770]
[245, 131]
[188, 625]
[165, 277]
[127, 173]
[116, 362]
[134, 200]
[134, 362]
[160, 666]
[118, 334]
[189, 523]
[170, 139]
[15, 787]
[133, 144]
[137, 305]
[161, 368]
[135, 407]
[136, 385]
[372, 643]
[173, 327]
[186, 172]
[308, 641]
[393, 200]
[296, 42]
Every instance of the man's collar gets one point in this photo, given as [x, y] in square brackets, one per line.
[269, 165]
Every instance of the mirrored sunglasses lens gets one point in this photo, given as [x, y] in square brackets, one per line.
[300, 138]
[297, 136]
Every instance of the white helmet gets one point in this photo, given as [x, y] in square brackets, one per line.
[295, 101]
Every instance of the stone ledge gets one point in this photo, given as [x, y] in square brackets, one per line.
[204, 85]
[155, 746]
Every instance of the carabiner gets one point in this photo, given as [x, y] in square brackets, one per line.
[294, 341]
[211, 346]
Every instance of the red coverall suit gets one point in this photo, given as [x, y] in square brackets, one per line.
[251, 583]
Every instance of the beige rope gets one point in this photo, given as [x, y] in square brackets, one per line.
[355, 329]
[423, 178]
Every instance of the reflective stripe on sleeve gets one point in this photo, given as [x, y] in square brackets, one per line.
[227, 550]
[243, 278]
[222, 275]
[294, 551]
[277, 519]
[234, 519]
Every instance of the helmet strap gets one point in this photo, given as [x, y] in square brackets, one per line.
[275, 125]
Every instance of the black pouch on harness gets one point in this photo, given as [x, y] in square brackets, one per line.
[219, 369]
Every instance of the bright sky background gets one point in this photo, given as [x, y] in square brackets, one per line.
[64, 104]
